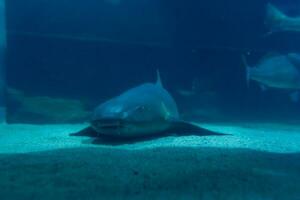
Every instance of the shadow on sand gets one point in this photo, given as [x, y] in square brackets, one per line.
[114, 141]
[169, 172]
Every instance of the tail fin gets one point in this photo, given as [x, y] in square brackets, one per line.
[248, 69]
[274, 17]
[158, 79]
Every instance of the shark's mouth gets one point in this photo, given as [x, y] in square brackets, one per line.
[107, 124]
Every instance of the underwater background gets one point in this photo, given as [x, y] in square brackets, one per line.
[59, 59]
[93, 50]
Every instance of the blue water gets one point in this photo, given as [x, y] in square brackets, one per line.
[97, 49]
[64, 57]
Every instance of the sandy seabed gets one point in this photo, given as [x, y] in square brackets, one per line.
[257, 161]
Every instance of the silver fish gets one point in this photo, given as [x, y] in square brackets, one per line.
[277, 71]
[277, 21]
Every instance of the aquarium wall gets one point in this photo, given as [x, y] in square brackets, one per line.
[2, 61]
[73, 55]
[82, 53]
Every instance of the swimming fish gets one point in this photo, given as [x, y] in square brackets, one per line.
[280, 71]
[190, 92]
[146, 110]
[277, 21]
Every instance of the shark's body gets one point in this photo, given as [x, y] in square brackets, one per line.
[146, 110]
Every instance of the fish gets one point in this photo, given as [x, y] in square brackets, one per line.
[280, 71]
[190, 92]
[145, 110]
[198, 87]
[277, 21]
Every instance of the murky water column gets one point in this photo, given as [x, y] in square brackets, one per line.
[2, 60]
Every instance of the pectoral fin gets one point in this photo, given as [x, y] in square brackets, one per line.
[88, 132]
[183, 127]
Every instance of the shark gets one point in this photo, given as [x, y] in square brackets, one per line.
[277, 21]
[142, 111]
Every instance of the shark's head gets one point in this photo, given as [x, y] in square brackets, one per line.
[144, 110]
[118, 117]
[110, 120]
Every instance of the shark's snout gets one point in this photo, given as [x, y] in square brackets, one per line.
[107, 125]
[109, 119]
[109, 113]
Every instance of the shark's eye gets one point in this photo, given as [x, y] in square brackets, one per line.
[142, 109]
[138, 109]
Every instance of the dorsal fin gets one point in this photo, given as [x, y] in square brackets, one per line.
[186, 128]
[158, 79]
